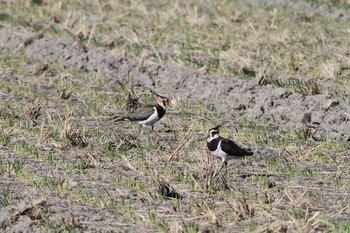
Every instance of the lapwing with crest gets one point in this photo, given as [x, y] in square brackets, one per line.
[224, 149]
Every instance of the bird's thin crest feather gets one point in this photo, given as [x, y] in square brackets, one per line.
[217, 127]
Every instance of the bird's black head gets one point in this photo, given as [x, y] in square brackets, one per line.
[213, 133]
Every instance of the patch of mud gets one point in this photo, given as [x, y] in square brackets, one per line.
[319, 7]
[230, 95]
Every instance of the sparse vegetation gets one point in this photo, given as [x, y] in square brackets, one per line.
[60, 156]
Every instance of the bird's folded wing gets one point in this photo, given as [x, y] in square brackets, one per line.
[233, 149]
[141, 113]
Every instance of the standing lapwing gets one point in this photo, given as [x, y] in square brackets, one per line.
[146, 114]
[224, 148]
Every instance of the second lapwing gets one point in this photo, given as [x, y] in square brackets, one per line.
[146, 114]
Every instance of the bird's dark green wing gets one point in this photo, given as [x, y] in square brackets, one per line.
[233, 149]
[141, 113]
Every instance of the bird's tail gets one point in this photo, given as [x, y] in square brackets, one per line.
[249, 153]
[117, 118]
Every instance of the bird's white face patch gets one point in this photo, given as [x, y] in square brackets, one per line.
[212, 135]
[162, 101]
[151, 120]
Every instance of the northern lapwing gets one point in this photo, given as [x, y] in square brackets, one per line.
[146, 114]
[224, 148]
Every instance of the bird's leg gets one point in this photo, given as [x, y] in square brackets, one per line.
[152, 127]
[218, 171]
[224, 182]
[224, 164]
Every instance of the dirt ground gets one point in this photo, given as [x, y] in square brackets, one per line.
[64, 167]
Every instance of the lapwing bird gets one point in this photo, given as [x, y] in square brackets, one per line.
[146, 114]
[224, 148]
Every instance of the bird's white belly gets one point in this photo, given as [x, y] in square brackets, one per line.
[222, 154]
[219, 153]
[151, 120]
